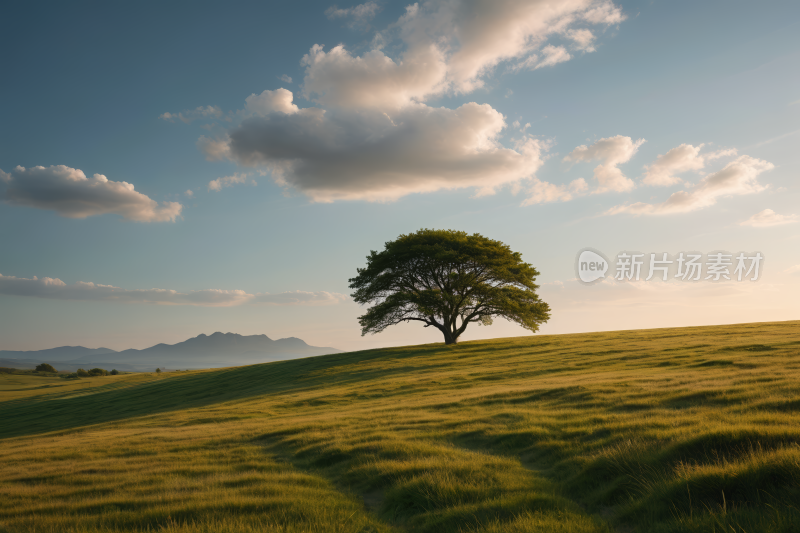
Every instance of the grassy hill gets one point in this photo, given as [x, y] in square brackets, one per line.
[668, 430]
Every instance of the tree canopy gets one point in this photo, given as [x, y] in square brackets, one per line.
[447, 279]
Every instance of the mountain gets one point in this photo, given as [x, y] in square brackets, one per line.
[62, 353]
[204, 351]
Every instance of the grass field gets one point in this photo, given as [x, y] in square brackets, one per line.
[668, 430]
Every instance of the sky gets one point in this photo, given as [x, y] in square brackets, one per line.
[175, 168]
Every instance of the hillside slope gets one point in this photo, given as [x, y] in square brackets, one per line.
[683, 429]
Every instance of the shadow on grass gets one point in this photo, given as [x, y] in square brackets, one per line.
[40, 414]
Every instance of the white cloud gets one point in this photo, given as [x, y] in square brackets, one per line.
[299, 298]
[370, 156]
[68, 192]
[277, 101]
[739, 177]
[767, 218]
[480, 35]
[792, 269]
[285, 78]
[582, 38]
[229, 181]
[453, 46]
[542, 192]
[551, 55]
[193, 114]
[683, 158]
[359, 16]
[54, 288]
[612, 151]
[374, 80]
[189, 193]
[372, 136]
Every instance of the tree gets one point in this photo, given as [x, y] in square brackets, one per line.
[447, 279]
[98, 372]
[82, 373]
[158, 370]
[114, 372]
[44, 367]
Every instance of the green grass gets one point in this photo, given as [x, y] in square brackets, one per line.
[669, 430]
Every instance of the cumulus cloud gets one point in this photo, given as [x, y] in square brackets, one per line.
[54, 288]
[542, 192]
[551, 55]
[187, 117]
[582, 38]
[358, 16]
[480, 35]
[68, 192]
[189, 193]
[229, 181]
[767, 218]
[683, 158]
[612, 151]
[739, 177]
[453, 46]
[373, 80]
[279, 100]
[285, 78]
[371, 135]
[369, 155]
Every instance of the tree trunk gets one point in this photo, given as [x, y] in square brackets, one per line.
[449, 336]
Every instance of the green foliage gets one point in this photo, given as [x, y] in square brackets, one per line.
[114, 372]
[158, 370]
[447, 279]
[98, 372]
[6, 370]
[45, 367]
[82, 373]
[73, 375]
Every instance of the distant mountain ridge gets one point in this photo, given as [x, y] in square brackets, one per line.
[62, 353]
[204, 351]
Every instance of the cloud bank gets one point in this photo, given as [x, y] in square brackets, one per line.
[612, 151]
[738, 177]
[54, 288]
[356, 16]
[343, 156]
[229, 181]
[768, 218]
[68, 192]
[191, 115]
[542, 192]
[663, 172]
[372, 136]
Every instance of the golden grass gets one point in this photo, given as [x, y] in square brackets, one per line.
[684, 429]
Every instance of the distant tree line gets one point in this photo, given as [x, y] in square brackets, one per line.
[49, 369]
[81, 373]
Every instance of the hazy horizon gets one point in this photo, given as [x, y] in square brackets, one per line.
[191, 169]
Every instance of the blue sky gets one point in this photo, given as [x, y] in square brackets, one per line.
[419, 120]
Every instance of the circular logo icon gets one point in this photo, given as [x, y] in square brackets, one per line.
[591, 265]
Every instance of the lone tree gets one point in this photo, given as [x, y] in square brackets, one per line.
[45, 367]
[447, 279]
